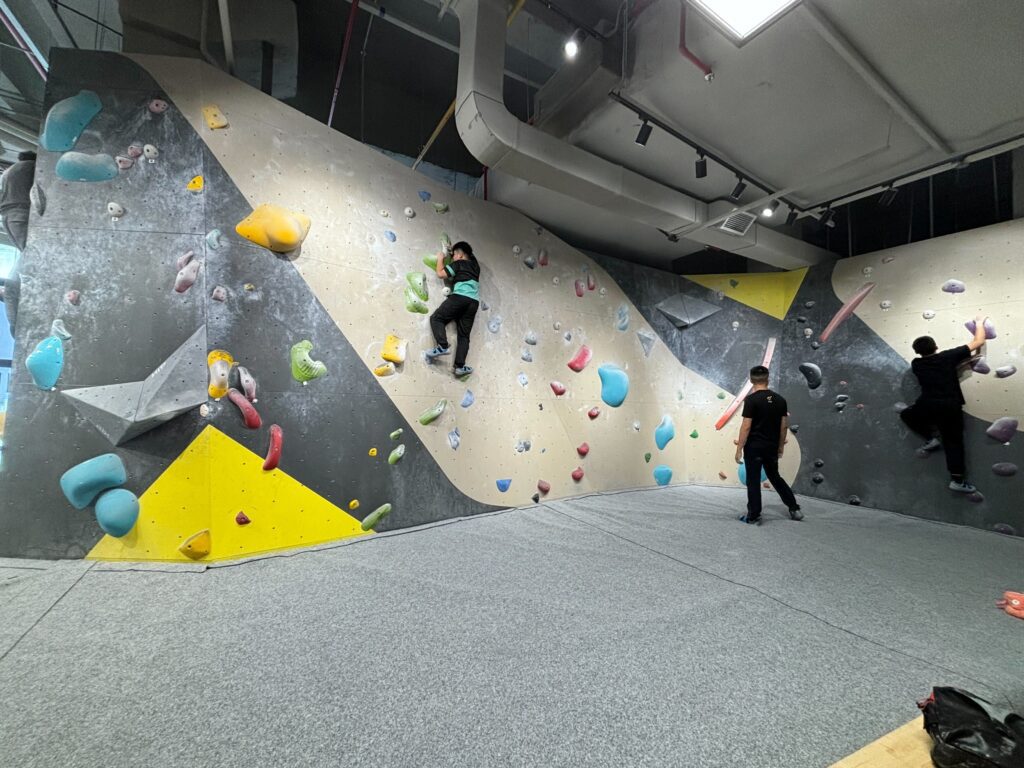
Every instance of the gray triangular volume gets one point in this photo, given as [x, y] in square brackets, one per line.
[177, 384]
[647, 340]
[684, 311]
[111, 408]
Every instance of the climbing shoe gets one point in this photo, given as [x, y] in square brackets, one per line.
[750, 520]
[463, 371]
[437, 352]
[796, 514]
[963, 487]
[932, 445]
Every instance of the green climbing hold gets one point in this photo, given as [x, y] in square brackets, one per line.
[441, 207]
[431, 261]
[396, 455]
[418, 282]
[734, 283]
[446, 243]
[305, 368]
[372, 519]
[722, 395]
[431, 414]
[413, 302]
[647, 458]
[397, 433]
[694, 434]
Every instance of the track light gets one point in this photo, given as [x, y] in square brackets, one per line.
[826, 217]
[738, 189]
[573, 44]
[888, 196]
[644, 134]
[791, 217]
[771, 208]
[700, 168]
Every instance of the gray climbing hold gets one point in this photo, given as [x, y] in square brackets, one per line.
[484, 306]
[819, 463]
[531, 338]
[647, 340]
[220, 293]
[855, 501]
[567, 335]
[817, 478]
[622, 317]
[954, 286]
[57, 328]
[815, 344]
[526, 356]
[840, 406]
[801, 319]
[1002, 429]
[808, 304]
[812, 373]
[885, 304]
[523, 446]
[530, 262]
[1005, 371]
[794, 428]
[38, 198]
[684, 310]
[494, 324]
[468, 399]
[1004, 469]
[522, 379]
[900, 406]
[454, 438]
[842, 398]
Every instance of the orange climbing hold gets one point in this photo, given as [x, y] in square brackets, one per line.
[198, 545]
[274, 227]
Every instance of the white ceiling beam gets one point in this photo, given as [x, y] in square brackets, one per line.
[846, 50]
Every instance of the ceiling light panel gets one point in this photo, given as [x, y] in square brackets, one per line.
[742, 19]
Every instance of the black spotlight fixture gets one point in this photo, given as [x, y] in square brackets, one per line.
[791, 217]
[888, 196]
[770, 209]
[644, 134]
[738, 189]
[700, 168]
[826, 217]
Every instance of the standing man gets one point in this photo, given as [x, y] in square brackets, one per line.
[940, 406]
[761, 443]
[15, 185]
[460, 306]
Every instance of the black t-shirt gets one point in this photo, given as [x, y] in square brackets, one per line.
[938, 376]
[765, 409]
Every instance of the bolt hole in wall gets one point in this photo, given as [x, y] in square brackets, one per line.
[8, 257]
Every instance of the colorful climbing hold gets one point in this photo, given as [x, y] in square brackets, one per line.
[214, 118]
[846, 311]
[577, 474]
[372, 452]
[722, 475]
[454, 438]
[662, 474]
[614, 383]
[440, 207]
[85, 481]
[1004, 469]
[196, 184]
[274, 227]
[526, 356]
[46, 362]
[424, 195]
[385, 369]
[664, 432]
[431, 414]
[579, 288]
[741, 472]
[543, 486]
[248, 383]
[1005, 371]
[305, 368]
[150, 152]
[274, 447]
[558, 388]
[694, 434]
[396, 455]
[413, 303]
[214, 239]
[116, 511]
[219, 293]
[249, 414]
[78, 166]
[409, 213]
[582, 449]
[390, 236]
[468, 399]
[1005, 529]
[396, 434]
[198, 545]
[503, 484]
[579, 362]
[354, 504]
[187, 276]
[622, 317]
[242, 519]
[990, 328]
[812, 373]
[980, 365]
[1002, 429]
[594, 412]
[542, 257]
[57, 328]
[219, 363]
[373, 519]
[647, 458]
[954, 286]
[67, 119]
[394, 349]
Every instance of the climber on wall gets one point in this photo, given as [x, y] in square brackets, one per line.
[761, 443]
[940, 405]
[460, 306]
[14, 206]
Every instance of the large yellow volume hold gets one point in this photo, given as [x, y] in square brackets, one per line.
[274, 227]
[214, 117]
[394, 349]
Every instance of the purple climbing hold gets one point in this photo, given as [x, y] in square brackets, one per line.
[1005, 371]
[1002, 429]
[980, 366]
[954, 286]
[1004, 469]
[1005, 529]
[990, 329]
[468, 399]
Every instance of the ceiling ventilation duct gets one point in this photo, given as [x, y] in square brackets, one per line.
[738, 223]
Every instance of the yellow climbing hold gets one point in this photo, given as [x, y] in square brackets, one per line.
[196, 185]
[394, 349]
[373, 451]
[198, 545]
[388, 369]
[214, 117]
[274, 227]
[220, 363]
[354, 504]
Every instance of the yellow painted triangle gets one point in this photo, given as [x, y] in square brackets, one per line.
[768, 292]
[213, 480]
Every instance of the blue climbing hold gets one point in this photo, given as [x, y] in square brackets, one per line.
[662, 474]
[46, 362]
[503, 484]
[390, 236]
[67, 119]
[614, 384]
[665, 432]
[83, 482]
[117, 511]
[622, 317]
[78, 166]
[424, 195]
[743, 474]
[468, 399]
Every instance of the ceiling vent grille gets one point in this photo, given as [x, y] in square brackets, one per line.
[738, 223]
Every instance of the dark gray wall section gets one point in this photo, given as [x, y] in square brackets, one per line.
[867, 452]
[130, 320]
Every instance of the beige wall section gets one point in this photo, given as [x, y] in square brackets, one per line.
[988, 262]
[277, 155]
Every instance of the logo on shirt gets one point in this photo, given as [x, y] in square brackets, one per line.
[769, 399]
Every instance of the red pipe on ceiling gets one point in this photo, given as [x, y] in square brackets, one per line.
[686, 52]
[22, 44]
[353, 12]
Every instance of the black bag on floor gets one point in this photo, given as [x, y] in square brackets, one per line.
[971, 733]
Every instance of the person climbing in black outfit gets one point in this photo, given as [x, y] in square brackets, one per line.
[460, 306]
[15, 186]
[940, 406]
[761, 443]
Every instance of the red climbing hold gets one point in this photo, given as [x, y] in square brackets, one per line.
[577, 474]
[591, 282]
[543, 486]
[579, 362]
[722, 476]
[542, 257]
[73, 297]
[594, 412]
[242, 519]
[583, 449]
[579, 289]
[558, 388]
[274, 450]
[252, 418]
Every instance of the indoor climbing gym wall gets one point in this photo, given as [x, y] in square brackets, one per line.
[224, 314]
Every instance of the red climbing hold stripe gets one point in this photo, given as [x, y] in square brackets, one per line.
[579, 362]
[274, 450]
[252, 418]
[577, 474]
[242, 519]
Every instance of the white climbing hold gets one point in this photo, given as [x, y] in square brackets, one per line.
[867, 270]
[409, 213]
[808, 332]
[885, 305]
[151, 153]
[115, 210]
[735, 325]
[516, 250]
[928, 314]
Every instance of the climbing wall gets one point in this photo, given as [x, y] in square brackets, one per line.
[188, 222]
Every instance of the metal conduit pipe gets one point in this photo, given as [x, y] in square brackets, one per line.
[14, 28]
[225, 31]
[352, 14]
[686, 52]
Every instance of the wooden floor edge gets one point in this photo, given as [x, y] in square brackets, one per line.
[909, 746]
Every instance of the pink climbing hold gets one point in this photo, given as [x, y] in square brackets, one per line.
[542, 257]
[594, 412]
[124, 162]
[158, 106]
[591, 282]
[242, 519]
[274, 450]
[187, 276]
[184, 259]
[220, 293]
[252, 418]
[577, 474]
[543, 486]
[579, 289]
[845, 311]
[248, 383]
[583, 449]
[135, 150]
[579, 362]
[558, 388]
[73, 297]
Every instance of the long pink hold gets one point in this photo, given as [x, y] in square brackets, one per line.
[579, 362]
[252, 418]
[274, 450]
[846, 310]
[187, 276]
[579, 289]
[769, 352]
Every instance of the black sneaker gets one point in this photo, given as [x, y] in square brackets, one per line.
[750, 520]
[796, 514]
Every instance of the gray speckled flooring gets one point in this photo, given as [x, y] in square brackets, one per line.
[637, 629]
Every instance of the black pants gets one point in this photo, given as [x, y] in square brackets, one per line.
[462, 310]
[758, 456]
[924, 417]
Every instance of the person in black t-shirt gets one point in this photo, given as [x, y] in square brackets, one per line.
[940, 406]
[761, 443]
[460, 306]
